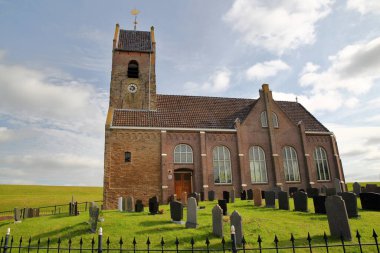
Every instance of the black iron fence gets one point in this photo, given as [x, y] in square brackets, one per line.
[55, 209]
[9, 245]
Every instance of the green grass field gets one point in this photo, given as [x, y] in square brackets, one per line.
[256, 221]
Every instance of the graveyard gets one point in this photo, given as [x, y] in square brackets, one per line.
[263, 220]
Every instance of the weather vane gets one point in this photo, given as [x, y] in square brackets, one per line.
[135, 12]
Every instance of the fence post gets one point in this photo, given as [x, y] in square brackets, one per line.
[233, 239]
[100, 240]
[6, 240]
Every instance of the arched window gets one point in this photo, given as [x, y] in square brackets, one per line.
[133, 69]
[183, 154]
[264, 119]
[257, 165]
[222, 165]
[321, 164]
[292, 173]
[274, 120]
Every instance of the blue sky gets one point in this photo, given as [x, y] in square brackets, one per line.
[55, 63]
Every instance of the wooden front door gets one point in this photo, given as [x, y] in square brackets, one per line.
[182, 183]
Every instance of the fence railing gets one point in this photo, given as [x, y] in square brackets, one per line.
[8, 244]
[55, 209]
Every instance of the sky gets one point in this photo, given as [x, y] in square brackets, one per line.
[55, 65]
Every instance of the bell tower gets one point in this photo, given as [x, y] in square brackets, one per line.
[133, 77]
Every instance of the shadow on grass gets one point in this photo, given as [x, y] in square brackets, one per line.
[154, 223]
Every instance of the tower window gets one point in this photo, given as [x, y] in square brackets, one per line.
[133, 69]
[127, 157]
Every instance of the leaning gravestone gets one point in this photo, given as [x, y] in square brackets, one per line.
[300, 201]
[371, 188]
[370, 201]
[312, 192]
[319, 204]
[270, 199]
[283, 200]
[211, 195]
[191, 221]
[217, 221]
[120, 204]
[337, 217]
[226, 196]
[139, 207]
[243, 195]
[232, 194]
[330, 191]
[257, 197]
[236, 221]
[250, 194]
[356, 188]
[223, 204]
[337, 185]
[176, 211]
[351, 204]
[17, 214]
[130, 204]
[153, 205]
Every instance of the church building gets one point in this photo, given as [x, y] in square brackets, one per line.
[168, 144]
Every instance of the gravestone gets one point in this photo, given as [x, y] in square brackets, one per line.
[250, 194]
[312, 192]
[300, 201]
[370, 201]
[171, 198]
[130, 204]
[217, 221]
[283, 200]
[292, 190]
[371, 188]
[94, 216]
[351, 204]
[153, 205]
[232, 195]
[202, 196]
[196, 196]
[236, 221]
[191, 221]
[139, 207]
[226, 196]
[176, 211]
[356, 188]
[211, 195]
[223, 204]
[270, 199]
[319, 204]
[184, 198]
[120, 204]
[330, 191]
[337, 217]
[243, 195]
[337, 185]
[257, 197]
[17, 214]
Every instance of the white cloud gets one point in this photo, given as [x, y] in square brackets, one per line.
[218, 82]
[364, 6]
[277, 25]
[266, 69]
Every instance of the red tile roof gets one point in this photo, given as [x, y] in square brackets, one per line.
[174, 111]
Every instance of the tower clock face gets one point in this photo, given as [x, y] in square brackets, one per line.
[132, 88]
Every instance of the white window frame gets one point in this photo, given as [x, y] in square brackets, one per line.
[321, 164]
[257, 165]
[291, 168]
[264, 119]
[222, 165]
[183, 153]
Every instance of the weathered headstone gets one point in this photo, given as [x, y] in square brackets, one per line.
[232, 195]
[153, 205]
[236, 221]
[139, 207]
[184, 198]
[370, 201]
[191, 221]
[176, 211]
[351, 204]
[283, 200]
[223, 204]
[17, 214]
[300, 201]
[292, 190]
[226, 196]
[243, 195]
[330, 191]
[312, 192]
[250, 194]
[120, 204]
[257, 197]
[337, 217]
[211, 195]
[130, 204]
[319, 204]
[356, 188]
[94, 216]
[202, 196]
[270, 199]
[337, 185]
[217, 221]
[371, 188]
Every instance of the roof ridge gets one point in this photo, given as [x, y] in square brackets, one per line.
[192, 96]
